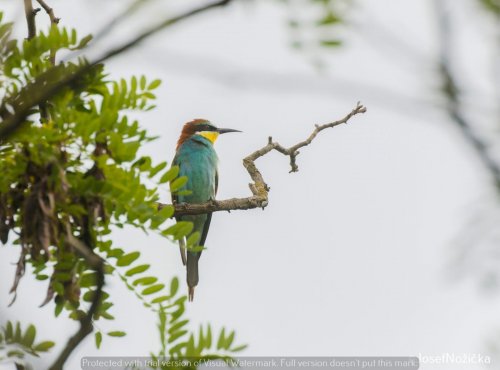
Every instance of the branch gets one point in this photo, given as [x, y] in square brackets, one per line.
[96, 263]
[259, 188]
[43, 92]
[49, 11]
[30, 18]
[35, 93]
[53, 21]
[166, 23]
[452, 93]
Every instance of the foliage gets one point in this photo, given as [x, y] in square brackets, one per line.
[74, 170]
[178, 344]
[77, 171]
[316, 24]
[492, 5]
[16, 344]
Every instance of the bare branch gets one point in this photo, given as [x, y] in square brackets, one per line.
[97, 264]
[452, 93]
[167, 23]
[259, 188]
[49, 11]
[30, 18]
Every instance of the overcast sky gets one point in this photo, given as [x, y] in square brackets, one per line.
[352, 256]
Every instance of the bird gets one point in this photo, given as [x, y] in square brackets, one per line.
[197, 160]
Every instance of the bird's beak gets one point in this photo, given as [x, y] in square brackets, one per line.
[226, 130]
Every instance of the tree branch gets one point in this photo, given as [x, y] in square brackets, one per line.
[41, 93]
[53, 21]
[166, 23]
[259, 188]
[96, 263]
[452, 93]
[30, 18]
[49, 11]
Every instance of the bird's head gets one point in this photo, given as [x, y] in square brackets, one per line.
[204, 128]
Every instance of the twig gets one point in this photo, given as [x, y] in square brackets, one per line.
[96, 263]
[53, 21]
[259, 188]
[49, 11]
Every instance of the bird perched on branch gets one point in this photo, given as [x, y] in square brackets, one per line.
[197, 159]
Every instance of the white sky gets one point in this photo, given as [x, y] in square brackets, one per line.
[352, 253]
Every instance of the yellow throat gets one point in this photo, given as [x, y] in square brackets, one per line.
[210, 135]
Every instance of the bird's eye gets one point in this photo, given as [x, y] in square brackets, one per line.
[206, 127]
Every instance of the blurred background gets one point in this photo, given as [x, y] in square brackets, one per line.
[386, 242]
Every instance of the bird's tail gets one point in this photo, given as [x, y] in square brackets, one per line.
[192, 273]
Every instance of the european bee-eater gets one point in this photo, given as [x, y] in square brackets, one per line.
[197, 159]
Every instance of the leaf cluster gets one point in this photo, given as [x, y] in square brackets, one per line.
[316, 24]
[77, 171]
[15, 343]
[182, 348]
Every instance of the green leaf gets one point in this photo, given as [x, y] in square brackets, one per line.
[148, 280]
[18, 333]
[330, 43]
[177, 335]
[221, 341]
[179, 230]
[137, 270]
[29, 336]
[171, 174]
[166, 211]
[153, 289]
[157, 169]
[117, 333]
[329, 19]
[174, 286]
[58, 309]
[239, 348]
[177, 326]
[44, 346]
[229, 340]
[9, 330]
[83, 42]
[178, 183]
[15, 353]
[160, 299]
[153, 85]
[127, 259]
[88, 280]
[98, 339]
